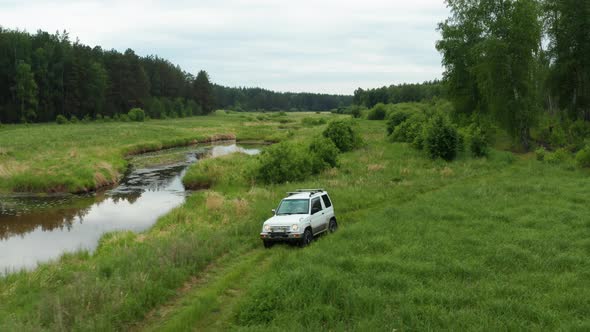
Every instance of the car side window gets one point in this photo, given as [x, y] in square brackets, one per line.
[326, 200]
[316, 205]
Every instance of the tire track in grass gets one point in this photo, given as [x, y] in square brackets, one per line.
[207, 302]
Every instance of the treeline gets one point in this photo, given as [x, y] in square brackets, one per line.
[395, 94]
[251, 99]
[43, 76]
[498, 67]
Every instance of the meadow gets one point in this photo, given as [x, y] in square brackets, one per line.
[493, 243]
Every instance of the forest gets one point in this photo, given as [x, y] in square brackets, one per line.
[402, 93]
[43, 76]
[521, 64]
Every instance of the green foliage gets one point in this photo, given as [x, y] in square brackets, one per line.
[310, 122]
[378, 112]
[490, 54]
[395, 119]
[74, 119]
[284, 162]
[583, 157]
[559, 156]
[479, 144]
[355, 111]
[540, 153]
[60, 119]
[410, 130]
[344, 135]
[441, 138]
[136, 115]
[323, 153]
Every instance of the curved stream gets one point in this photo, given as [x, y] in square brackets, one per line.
[37, 229]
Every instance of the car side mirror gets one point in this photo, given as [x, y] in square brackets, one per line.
[273, 211]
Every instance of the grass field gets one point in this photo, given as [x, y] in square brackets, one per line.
[500, 243]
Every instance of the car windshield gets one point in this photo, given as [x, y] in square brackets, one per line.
[293, 206]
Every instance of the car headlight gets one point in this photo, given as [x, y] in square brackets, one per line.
[295, 227]
[267, 228]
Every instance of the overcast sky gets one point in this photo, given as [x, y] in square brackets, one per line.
[302, 45]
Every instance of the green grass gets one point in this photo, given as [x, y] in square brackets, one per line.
[82, 157]
[499, 243]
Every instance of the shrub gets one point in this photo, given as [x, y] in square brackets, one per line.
[74, 119]
[557, 157]
[395, 119]
[343, 134]
[136, 114]
[409, 131]
[124, 118]
[378, 112]
[284, 162]
[578, 131]
[583, 157]
[60, 119]
[309, 122]
[478, 141]
[540, 153]
[324, 154]
[355, 111]
[440, 138]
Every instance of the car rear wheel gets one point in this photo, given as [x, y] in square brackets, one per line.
[333, 226]
[306, 239]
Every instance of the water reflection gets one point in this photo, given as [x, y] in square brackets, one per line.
[36, 229]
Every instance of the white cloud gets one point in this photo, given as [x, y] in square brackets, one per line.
[324, 46]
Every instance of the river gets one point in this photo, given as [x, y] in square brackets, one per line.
[36, 229]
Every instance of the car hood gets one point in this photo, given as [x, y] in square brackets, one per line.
[286, 220]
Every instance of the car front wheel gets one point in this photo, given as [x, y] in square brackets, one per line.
[306, 239]
[267, 244]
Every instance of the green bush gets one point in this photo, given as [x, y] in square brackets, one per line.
[344, 135]
[540, 153]
[324, 154]
[60, 119]
[355, 111]
[557, 157]
[395, 119]
[310, 122]
[583, 157]
[124, 118]
[578, 131]
[378, 112]
[284, 162]
[136, 115]
[441, 138]
[74, 119]
[479, 144]
[410, 131]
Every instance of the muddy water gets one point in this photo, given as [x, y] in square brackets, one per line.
[37, 229]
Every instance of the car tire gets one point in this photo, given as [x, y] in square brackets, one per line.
[332, 226]
[306, 239]
[267, 244]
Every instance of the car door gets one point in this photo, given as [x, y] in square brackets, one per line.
[328, 209]
[317, 216]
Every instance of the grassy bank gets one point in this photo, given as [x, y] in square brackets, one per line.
[493, 243]
[82, 157]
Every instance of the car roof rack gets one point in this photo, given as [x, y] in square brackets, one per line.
[300, 191]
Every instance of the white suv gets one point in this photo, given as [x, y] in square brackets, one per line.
[300, 216]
